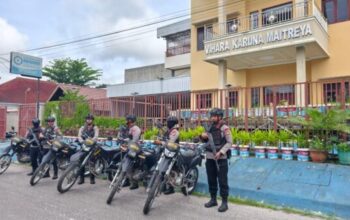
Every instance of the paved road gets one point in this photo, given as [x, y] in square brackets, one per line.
[18, 200]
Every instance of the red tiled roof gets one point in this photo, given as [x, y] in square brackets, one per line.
[89, 93]
[23, 90]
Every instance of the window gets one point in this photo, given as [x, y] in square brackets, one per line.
[204, 100]
[332, 92]
[277, 14]
[179, 43]
[254, 20]
[232, 26]
[255, 97]
[209, 32]
[336, 10]
[200, 38]
[284, 94]
[233, 99]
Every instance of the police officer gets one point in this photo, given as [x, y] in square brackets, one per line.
[172, 136]
[217, 164]
[34, 135]
[49, 132]
[89, 130]
[134, 133]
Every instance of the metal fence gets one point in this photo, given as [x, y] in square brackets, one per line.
[3, 113]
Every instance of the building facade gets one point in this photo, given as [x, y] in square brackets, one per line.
[258, 53]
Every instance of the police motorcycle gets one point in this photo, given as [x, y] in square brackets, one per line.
[19, 147]
[133, 166]
[57, 150]
[176, 167]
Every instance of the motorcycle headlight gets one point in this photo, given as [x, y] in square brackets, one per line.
[89, 142]
[132, 154]
[169, 153]
[15, 140]
[172, 146]
[86, 147]
[134, 147]
[54, 148]
[57, 144]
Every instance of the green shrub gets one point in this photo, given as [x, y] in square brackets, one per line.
[258, 137]
[244, 137]
[272, 137]
[343, 147]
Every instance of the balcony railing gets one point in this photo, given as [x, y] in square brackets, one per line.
[174, 51]
[267, 18]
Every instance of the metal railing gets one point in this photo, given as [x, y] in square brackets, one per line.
[267, 18]
[174, 51]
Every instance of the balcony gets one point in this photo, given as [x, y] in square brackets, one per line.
[268, 38]
[178, 57]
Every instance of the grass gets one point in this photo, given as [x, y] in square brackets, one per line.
[289, 210]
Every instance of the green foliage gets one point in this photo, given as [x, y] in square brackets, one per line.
[343, 147]
[71, 95]
[258, 137]
[284, 136]
[190, 134]
[106, 122]
[69, 71]
[319, 144]
[272, 137]
[301, 140]
[235, 135]
[52, 109]
[244, 137]
[150, 134]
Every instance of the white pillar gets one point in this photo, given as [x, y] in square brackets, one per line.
[222, 74]
[222, 16]
[301, 76]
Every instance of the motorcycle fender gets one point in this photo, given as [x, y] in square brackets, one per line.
[77, 156]
[196, 161]
[163, 166]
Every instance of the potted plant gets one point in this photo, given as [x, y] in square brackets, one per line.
[321, 125]
[344, 153]
[302, 147]
[258, 139]
[235, 141]
[285, 145]
[272, 148]
[244, 141]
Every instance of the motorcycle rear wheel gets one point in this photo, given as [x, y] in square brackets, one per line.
[70, 175]
[5, 162]
[116, 187]
[191, 179]
[154, 190]
[39, 173]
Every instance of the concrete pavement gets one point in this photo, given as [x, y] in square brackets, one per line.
[18, 200]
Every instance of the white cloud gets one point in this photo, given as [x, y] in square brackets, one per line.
[10, 40]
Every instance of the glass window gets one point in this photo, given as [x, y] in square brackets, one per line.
[232, 26]
[233, 99]
[255, 97]
[336, 10]
[277, 14]
[254, 20]
[204, 100]
[284, 94]
[209, 32]
[178, 43]
[200, 38]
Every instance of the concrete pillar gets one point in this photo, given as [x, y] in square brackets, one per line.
[301, 76]
[222, 16]
[222, 74]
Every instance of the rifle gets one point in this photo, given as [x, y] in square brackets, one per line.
[212, 145]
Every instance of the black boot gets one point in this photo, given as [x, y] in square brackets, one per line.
[126, 183]
[30, 174]
[223, 207]
[92, 179]
[54, 176]
[47, 175]
[134, 185]
[212, 202]
[169, 190]
[81, 181]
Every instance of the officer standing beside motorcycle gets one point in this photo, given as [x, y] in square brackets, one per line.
[34, 135]
[50, 132]
[217, 163]
[172, 136]
[89, 130]
[134, 133]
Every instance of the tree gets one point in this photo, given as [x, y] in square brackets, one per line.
[71, 95]
[76, 72]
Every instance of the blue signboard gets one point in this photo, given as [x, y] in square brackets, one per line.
[26, 65]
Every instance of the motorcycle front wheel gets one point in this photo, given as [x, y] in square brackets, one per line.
[68, 178]
[190, 181]
[154, 190]
[116, 186]
[39, 173]
[5, 161]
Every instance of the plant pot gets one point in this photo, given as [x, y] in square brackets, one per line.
[287, 153]
[318, 156]
[344, 157]
[303, 154]
[260, 152]
[272, 152]
[244, 151]
[234, 150]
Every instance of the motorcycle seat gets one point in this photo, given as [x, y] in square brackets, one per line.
[187, 152]
[110, 149]
[148, 152]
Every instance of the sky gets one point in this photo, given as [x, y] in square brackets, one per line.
[36, 23]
